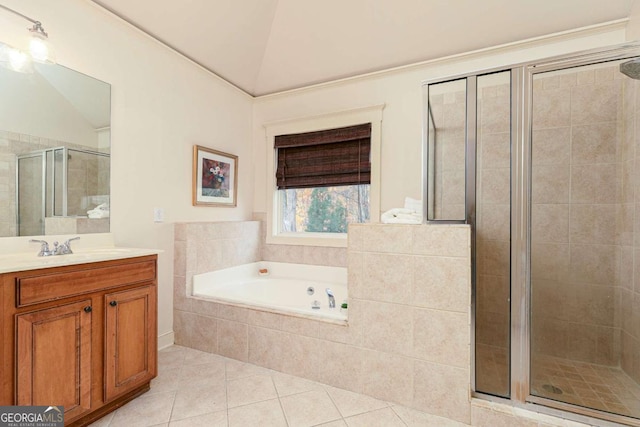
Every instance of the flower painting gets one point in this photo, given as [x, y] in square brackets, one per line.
[214, 177]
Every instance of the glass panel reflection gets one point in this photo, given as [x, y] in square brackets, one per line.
[446, 148]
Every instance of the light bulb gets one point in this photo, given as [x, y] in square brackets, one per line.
[40, 49]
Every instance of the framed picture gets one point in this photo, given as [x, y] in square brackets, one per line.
[215, 177]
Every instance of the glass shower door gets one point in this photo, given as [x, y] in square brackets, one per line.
[493, 234]
[468, 180]
[30, 195]
[584, 340]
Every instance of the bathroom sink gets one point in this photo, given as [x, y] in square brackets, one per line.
[105, 251]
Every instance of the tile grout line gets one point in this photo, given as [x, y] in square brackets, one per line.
[175, 393]
[342, 417]
[226, 388]
[398, 415]
[286, 421]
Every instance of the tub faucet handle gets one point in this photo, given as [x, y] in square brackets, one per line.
[332, 300]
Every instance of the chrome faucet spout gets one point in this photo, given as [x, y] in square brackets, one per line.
[332, 300]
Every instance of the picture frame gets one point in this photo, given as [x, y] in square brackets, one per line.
[215, 177]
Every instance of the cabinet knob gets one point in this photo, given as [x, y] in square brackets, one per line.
[88, 309]
[113, 303]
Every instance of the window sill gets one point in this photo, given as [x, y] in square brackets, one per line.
[336, 240]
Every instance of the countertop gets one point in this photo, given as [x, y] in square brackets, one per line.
[30, 261]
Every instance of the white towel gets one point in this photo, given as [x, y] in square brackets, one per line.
[413, 204]
[401, 216]
[100, 211]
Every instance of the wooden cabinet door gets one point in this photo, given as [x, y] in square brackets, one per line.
[130, 340]
[53, 363]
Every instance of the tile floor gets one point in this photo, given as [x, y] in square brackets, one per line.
[195, 389]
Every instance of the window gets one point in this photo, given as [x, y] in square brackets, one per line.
[325, 175]
[323, 209]
[323, 179]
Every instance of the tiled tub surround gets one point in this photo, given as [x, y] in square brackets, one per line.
[408, 336]
[285, 288]
[299, 254]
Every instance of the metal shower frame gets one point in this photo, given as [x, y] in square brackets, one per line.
[65, 169]
[520, 268]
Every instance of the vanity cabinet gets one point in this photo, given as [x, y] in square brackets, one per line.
[53, 357]
[83, 336]
[130, 340]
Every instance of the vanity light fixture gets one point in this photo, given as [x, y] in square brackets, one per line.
[39, 45]
[40, 49]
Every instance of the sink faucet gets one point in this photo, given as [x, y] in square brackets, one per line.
[62, 249]
[44, 249]
[332, 300]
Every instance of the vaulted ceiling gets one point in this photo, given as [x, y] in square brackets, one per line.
[266, 46]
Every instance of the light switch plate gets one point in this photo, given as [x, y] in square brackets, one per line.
[158, 215]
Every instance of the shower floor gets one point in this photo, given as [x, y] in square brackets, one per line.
[586, 384]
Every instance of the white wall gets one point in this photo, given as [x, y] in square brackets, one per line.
[633, 26]
[162, 105]
[401, 93]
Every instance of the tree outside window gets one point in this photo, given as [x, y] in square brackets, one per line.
[324, 209]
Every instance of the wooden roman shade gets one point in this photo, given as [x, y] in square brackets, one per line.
[324, 158]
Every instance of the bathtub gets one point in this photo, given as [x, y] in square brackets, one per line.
[277, 287]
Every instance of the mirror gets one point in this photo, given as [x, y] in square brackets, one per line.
[54, 152]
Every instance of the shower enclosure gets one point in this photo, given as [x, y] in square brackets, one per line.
[540, 160]
[56, 184]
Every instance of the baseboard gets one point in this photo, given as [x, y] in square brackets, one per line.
[166, 340]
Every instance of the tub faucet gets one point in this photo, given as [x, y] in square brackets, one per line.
[332, 300]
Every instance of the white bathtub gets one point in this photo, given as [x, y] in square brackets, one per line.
[284, 289]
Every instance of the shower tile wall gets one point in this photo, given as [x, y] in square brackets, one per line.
[88, 175]
[448, 111]
[628, 291]
[581, 218]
